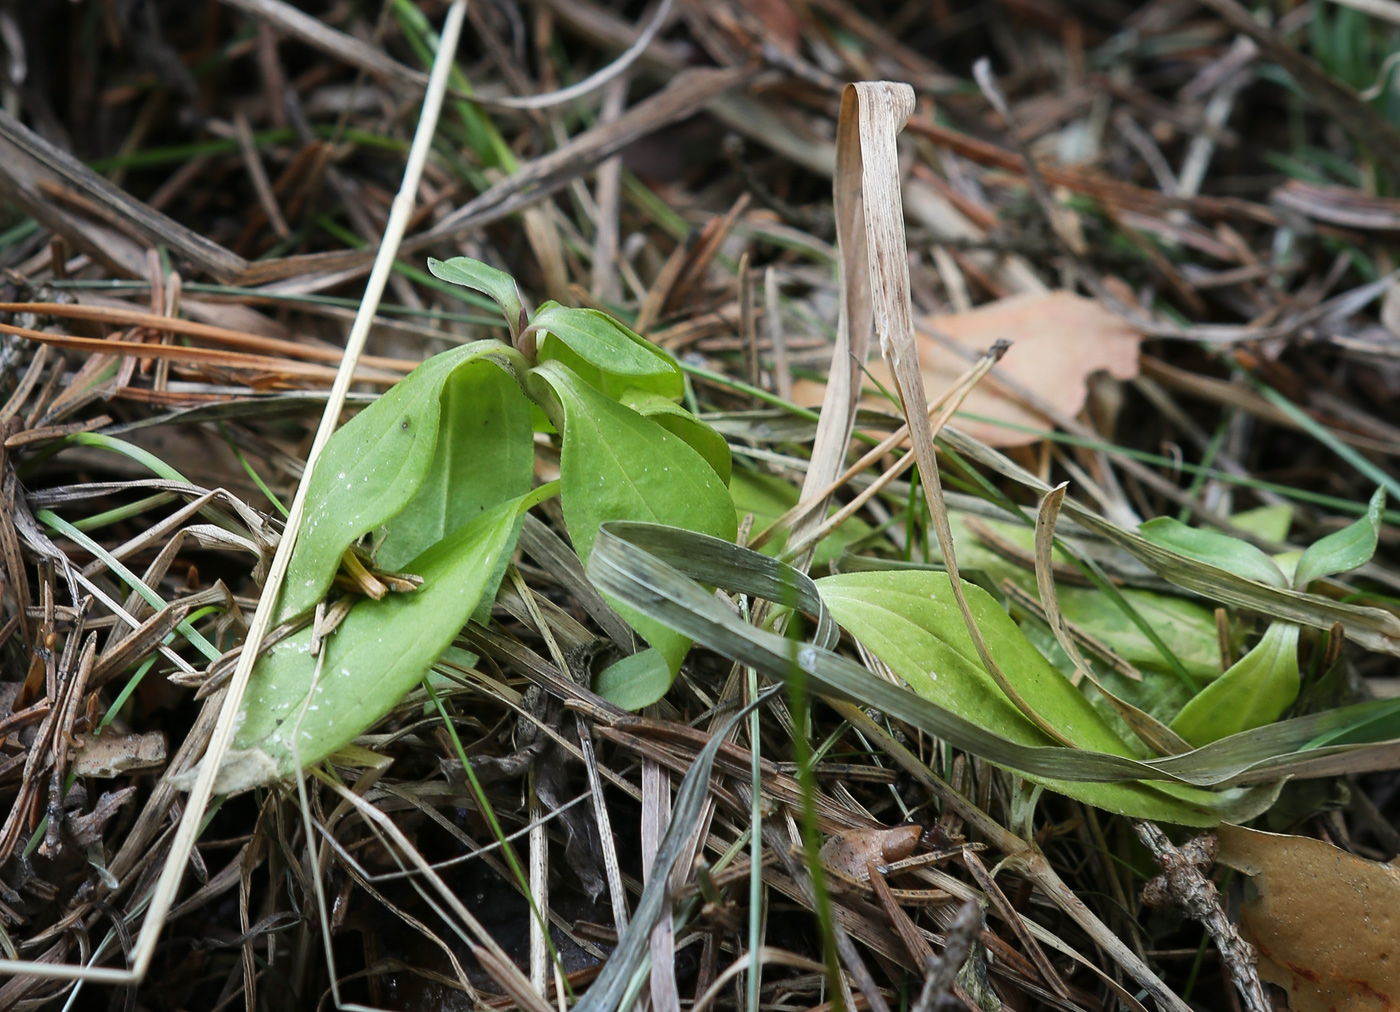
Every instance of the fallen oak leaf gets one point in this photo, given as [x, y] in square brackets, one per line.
[1058, 340]
[852, 852]
[1325, 923]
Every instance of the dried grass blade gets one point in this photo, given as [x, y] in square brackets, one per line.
[1151, 730]
[346, 48]
[26, 384]
[838, 411]
[136, 644]
[156, 228]
[946, 406]
[881, 110]
[916, 945]
[988, 885]
[612, 983]
[656, 819]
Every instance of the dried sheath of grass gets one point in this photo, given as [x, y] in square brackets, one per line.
[868, 162]
[1157, 735]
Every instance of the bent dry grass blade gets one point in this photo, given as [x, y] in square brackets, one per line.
[655, 570]
[1162, 739]
[880, 112]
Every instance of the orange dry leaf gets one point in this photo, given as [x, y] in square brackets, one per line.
[1059, 340]
[1326, 923]
[850, 853]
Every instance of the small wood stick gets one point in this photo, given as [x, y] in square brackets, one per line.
[1184, 883]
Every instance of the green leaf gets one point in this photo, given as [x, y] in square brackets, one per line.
[627, 562]
[1214, 548]
[378, 653]
[1268, 522]
[1185, 625]
[485, 455]
[910, 621]
[1345, 549]
[372, 469]
[1255, 691]
[635, 681]
[618, 465]
[768, 497]
[680, 422]
[603, 352]
[483, 278]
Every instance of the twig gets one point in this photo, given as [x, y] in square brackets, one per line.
[943, 969]
[1183, 883]
[258, 174]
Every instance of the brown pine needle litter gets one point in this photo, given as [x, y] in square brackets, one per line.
[1032, 346]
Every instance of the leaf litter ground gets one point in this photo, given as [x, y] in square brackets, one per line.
[1183, 214]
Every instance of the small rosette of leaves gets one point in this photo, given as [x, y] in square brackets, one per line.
[1263, 684]
[432, 480]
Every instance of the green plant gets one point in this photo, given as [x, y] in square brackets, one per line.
[433, 479]
[1259, 687]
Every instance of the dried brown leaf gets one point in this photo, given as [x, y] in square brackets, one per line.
[1326, 923]
[851, 852]
[110, 755]
[1058, 340]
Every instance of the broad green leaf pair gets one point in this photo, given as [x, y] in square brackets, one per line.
[437, 473]
[909, 620]
[903, 618]
[450, 440]
[300, 708]
[1261, 686]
